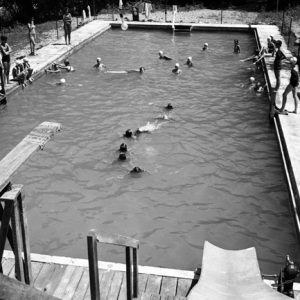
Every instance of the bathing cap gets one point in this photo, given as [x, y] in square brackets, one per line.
[177, 65]
[63, 80]
[205, 44]
[160, 52]
[293, 60]
[124, 26]
[189, 58]
[252, 79]
[98, 58]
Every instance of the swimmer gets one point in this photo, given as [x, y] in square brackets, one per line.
[66, 66]
[136, 170]
[162, 117]
[123, 148]
[176, 69]
[162, 56]
[98, 64]
[128, 134]
[61, 82]
[236, 47]
[122, 156]
[141, 70]
[189, 61]
[52, 69]
[205, 47]
[169, 106]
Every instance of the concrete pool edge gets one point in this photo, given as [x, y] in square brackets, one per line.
[58, 51]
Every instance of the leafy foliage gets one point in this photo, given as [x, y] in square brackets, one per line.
[42, 10]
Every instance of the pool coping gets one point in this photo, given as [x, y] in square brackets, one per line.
[288, 137]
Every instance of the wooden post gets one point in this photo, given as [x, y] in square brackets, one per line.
[282, 24]
[221, 16]
[6, 214]
[93, 265]
[290, 30]
[135, 273]
[25, 236]
[128, 273]
[56, 24]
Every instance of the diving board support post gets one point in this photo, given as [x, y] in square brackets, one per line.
[12, 213]
[131, 267]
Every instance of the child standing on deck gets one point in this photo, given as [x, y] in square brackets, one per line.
[32, 36]
[292, 86]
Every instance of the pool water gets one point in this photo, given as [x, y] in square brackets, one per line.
[213, 170]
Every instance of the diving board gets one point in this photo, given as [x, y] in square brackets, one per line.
[37, 139]
[231, 275]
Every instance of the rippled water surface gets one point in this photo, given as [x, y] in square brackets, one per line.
[213, 170]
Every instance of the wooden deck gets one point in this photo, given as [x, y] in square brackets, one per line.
[67, 278]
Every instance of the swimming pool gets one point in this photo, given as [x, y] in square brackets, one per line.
[213, 170]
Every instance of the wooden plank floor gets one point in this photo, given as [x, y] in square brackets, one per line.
[72, 282]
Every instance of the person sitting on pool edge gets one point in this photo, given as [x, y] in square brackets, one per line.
[205, 47]
[66, 66]
[189, 62]
[162, 56]
[98, 64]
[176, 69]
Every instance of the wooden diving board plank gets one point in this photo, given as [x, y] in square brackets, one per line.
[183, 286]
[230, 275]
[73, 283]
[37, 139]
[153, 284]
[83, 286]
[115, 286]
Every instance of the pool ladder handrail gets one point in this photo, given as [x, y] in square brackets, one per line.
[129, 243]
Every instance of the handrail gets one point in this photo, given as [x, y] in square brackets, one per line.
[116, 239]
[129, 243]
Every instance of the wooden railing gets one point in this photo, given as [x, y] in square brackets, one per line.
[131, 264]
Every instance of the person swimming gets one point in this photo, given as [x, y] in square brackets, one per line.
[189, 62]
[136, 170]
[128, 134]
[61, 82]
[52, 69]
[162, 56]
[98, 64]
[141, 70]
[66, 66]
[176, 69]
[122, 156]
[123, 148]
[169, 106]
[205, 46]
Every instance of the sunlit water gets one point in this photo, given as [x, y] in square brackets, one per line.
[213, 170]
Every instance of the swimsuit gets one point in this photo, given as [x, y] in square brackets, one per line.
[294, 81]
[278, 58]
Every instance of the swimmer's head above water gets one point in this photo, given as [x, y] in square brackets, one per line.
[66, 62]
[169, 106]
[205, 46]
[123, 147]
[252, 79]
[98, 59]
[122, 156]
[128, 133]
[136, 170]
[142, 69]
[161, 54]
